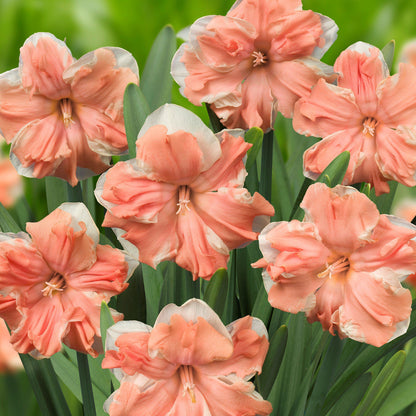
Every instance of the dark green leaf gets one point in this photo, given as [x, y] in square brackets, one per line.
[255, 137]
[56, 192]
[106, 320]
[216, 291]
[153, 282]
[334, 173]
[86, 385]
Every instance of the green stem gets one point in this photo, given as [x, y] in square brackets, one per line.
[86, 385]
[265, 186]
[74, 193]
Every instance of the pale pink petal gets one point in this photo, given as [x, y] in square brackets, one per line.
[189, 343]
[18, 109]
[81, 337]
[304, 74]
[390, 246]
[174, 158]
[43, 59]
[11, 184]
[54, 235]
[9, 358]
[373, 308]
[231, 213]
[156, 242]
[226, 171]
[361, 68]
[201, 83]
[396, 153]
[328, 109]
[9, 312]
[250, 349]
[127, 193]
[397, 105]
[408, 53]
[99, 78]
[344, 217]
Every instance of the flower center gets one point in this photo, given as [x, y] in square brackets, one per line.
[187, 380]
[260, 58]
[184, 195]
[55, 285]
[65, 106]
[340, 265]
[369, 126]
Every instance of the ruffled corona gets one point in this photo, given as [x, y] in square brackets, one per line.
[189, 363]
[342, 266]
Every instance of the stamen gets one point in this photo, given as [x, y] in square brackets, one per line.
[66, 111]
[187, 380]
[184, 195]
[55, 284]
[260, 58]
[339, 266]
[369, 126]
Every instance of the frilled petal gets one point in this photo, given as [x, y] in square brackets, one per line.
[11, 184]
[8, 311]
[361, 68]
[391, 250]
[43, 59]
[200, 249]
[304, 74]
[127, 193]
[189, 342]
[17, 108]
[373, 308]
[328, 109]
[98, 79]
[396, 153]
[9, 358]
[55, 234]
[231, 213]
[229, 170]
[344, 217]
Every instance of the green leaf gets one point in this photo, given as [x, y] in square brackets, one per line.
[334, 173]
[255, 137]
[265, 185]
[7, 222]
[350, 398]
[153, 282]
[216, 291]
[388, 53]
[156, 80]
[86, 385]
[273, 360]
[262, 308]
[56, 192]
[106, 320]
[382, 386]
[385, 201]
[215, 122]
[136, 109]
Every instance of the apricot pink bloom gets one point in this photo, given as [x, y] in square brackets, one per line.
[182, 198]
[408, 53]
[342, 265]
[258, 59]
[188, 364]
[11, 185]
[64, 117]
[369, 113]
[58, 278]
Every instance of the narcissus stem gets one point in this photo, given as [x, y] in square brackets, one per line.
[265, 186]
[86, 386]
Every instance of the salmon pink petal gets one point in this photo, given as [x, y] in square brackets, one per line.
[328, 109]
[160, 238]
[232, 396]
[373, 308]
[232, 214]
[127, 193]
[392, 248]
[8, 311]
[305, 73]
[43, 59]
[81, 337]
[54, 234]
[362, 68]
[174, 158]
[11, 185]
[396, 106]
[344, 217]
[9, 358]
[199, 82]
[176, 118]
[222, 42]
[16, 110]
[229, 170]
[98, 80]
[188, 342]
[396, 153]
[42, 328]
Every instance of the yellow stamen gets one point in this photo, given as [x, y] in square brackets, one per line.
[55, 284]
[369, 126]
[339, 266]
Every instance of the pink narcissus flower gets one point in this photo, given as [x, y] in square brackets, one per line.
[64, 117]
[182, 198]
[408, 53]
[188, 364]
[59, 276]
[370, 114]
[11, 186]
[257, 60]
[342, 266]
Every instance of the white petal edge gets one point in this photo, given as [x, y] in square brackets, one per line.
[330, 34]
